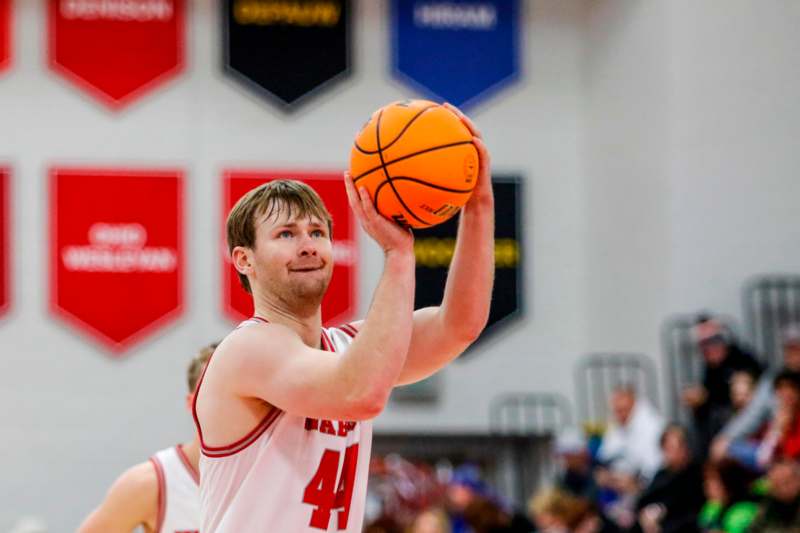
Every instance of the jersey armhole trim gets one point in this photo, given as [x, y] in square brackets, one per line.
[349, 329]
[162, 493]
[190, 469]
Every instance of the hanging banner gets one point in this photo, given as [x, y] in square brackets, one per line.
[5, 34]
[116, 252]
[341, 301]
[434, 250]
[458, 51]
[286, 50]
[5, 220]
[117, 50]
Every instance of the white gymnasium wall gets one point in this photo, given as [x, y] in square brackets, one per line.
[637, 125]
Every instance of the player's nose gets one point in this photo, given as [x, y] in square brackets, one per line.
[307, 246]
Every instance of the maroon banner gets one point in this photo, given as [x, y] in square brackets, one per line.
[5, 34]
[5, 224]
[117, 50]
[116, 251]
[341, 300]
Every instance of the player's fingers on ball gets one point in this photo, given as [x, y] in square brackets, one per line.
[353, 197]
[366, 204]
[464, 118]
[483, 153]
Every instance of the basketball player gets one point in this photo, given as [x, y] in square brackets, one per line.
[284, 407]
[160, 495]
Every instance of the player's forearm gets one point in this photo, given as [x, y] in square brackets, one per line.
[377, 355]
[468, 292]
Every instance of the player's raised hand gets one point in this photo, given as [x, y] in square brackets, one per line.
[483, 187]
[389, 235]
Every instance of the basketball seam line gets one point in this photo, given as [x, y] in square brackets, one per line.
[431, 185]
[407, 156]
[408, 125]
[386, 172]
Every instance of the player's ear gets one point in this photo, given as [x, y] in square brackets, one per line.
[241, 257]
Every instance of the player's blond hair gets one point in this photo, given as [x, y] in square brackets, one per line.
[271, 199]
[198, 363]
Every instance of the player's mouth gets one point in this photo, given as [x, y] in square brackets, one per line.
[307, 268]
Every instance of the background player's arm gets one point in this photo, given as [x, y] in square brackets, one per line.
[270, 362]
[440, 334]
[131, 501]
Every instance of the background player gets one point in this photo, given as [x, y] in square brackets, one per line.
[283, 422]
[160, 495]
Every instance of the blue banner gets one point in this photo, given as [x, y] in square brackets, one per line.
[459, 51]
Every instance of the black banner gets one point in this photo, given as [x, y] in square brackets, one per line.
[286, 49]
[434, 249]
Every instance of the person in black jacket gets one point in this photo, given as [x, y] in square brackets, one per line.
[711, 401]
[675, 495]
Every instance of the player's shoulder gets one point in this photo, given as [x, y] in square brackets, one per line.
[255, 339]
[138, 483]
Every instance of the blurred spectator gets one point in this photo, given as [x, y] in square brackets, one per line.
[672, 500]
[630, 450]
[722, 357]
[729, 506]
[465, 487]
[761, 408]
[781, 436]
[486, 516]
[383, 525]
[575, 464]
[743, 386]
[780, 511]
[433, 520]
[555, 511]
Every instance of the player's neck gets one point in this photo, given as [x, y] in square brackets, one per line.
[307, 325]
[192, 451]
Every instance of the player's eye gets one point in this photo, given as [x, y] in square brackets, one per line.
[318, 233]
[285, 234]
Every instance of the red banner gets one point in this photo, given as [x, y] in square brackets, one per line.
[5, 33]
[117, 50]
[5, 220]
[341, 300]
[116, 251]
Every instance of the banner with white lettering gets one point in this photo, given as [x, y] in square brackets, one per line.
[5, 34]
[286, 50]
[434, 250]
[458, 51]
[5, 218]
[117, 50]
[341, 301]
[116, 252]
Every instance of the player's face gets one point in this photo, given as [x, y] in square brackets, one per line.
[293, 259]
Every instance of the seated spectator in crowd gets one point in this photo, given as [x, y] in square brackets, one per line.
[781, 435]
[672, 500]
[432, 520]
[761, 409]
[574, 462]
[630, 447]
[722, 358]
[729, 506]
[743, 387]
[465, 487]
[555, 511]
[629, 455]
[780, 512]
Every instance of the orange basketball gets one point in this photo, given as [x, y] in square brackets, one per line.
[417, 161]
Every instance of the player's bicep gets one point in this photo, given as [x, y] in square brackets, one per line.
[130, 502]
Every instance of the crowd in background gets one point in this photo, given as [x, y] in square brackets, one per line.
[733, 468]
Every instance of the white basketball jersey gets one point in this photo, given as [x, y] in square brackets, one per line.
[178, 492]
[291, 474]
